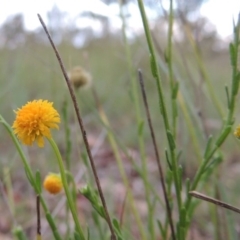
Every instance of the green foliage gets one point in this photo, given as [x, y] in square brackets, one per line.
[184, 86]
[19, 234]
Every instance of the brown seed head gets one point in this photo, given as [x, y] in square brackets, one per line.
[79, 77]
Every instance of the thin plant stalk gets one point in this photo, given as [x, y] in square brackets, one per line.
[190, 126]
[203, 72]
[226, 129]
[184, 109]
[124, 150]
[84, 134]
[162, 107]
[214, 201]
[8, 181]
[122, 171]
[66, 188]
[5, 198]
[39, 235]
[68, 145]
[215, 220]
[169, 211]
[31, 179]
[139, 121]
[173, 84]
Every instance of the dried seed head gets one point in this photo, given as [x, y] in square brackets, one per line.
[79, 77]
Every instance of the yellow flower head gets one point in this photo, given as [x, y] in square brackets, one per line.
[237, 132]
[34, 121]
[53, 183]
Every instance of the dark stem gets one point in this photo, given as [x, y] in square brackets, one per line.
[123, 208]
[214, 201]
[156, 153]
[38, 216]
[84, 134]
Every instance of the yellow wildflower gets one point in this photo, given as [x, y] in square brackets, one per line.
[237, 132]
[34, 121]
[53, 183]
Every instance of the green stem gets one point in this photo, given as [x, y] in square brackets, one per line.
[139, 122]
[122, 171]
[163, 111]
[227, 126]
[204, 74]
[31, 177]
[190, 127]
[170, 69]
[68, 146]
[9, 187]
[66, 188]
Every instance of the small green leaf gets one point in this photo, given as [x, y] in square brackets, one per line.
[228, 99]
[168, 161]
[18, 232]
[223, 135]
[180, 171]
[116, 225]
[213, 164]
[175, 90]
[88, 192]
[153, 66]
[208, 147]
[171, 140]
[95, 218]
[232, 54]
[117, 228]
[236, 83]
[179, 155]
[38, 181]
[169, 176]
[76, 236]
[183, 217]
[161, 229]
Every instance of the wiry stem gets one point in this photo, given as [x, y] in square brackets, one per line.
[122, 171]
[162, 106]
[84, 134]
[38, 218]
[214, 201]
[134, 89]
[156, 153]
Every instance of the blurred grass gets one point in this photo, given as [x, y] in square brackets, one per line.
[32, 72]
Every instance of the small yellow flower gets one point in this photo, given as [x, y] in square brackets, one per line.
[237, 132]
[53, 183]
[34, 121]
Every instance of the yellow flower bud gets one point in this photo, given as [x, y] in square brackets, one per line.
[237, 132]
[53, 183]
